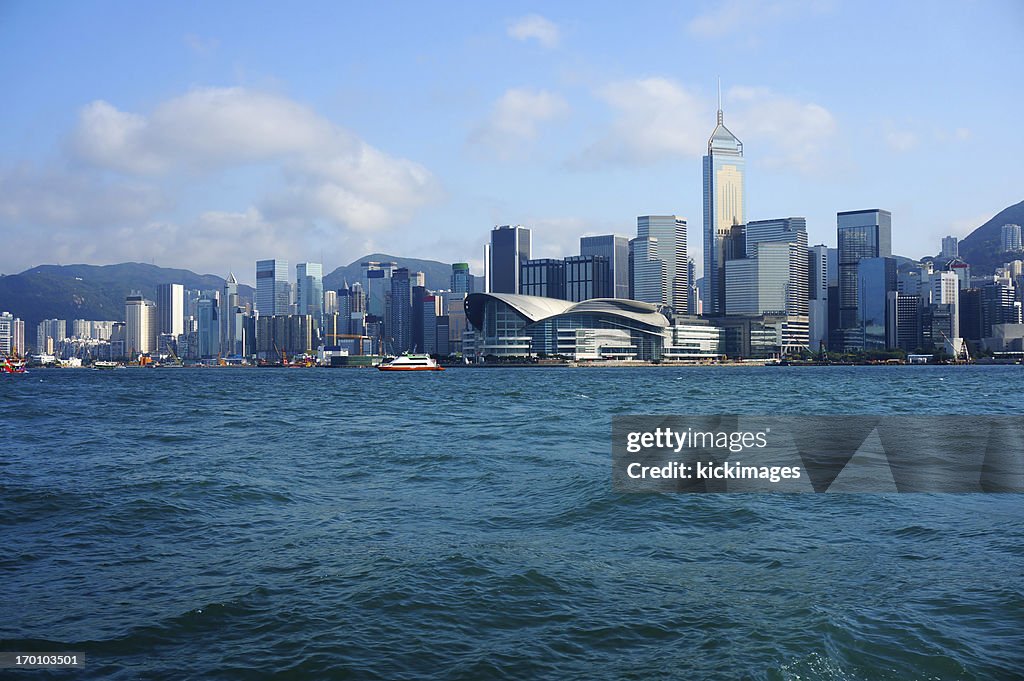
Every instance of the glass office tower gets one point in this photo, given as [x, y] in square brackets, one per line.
[861, 234]
[725, 203]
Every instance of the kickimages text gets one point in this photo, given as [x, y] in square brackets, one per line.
[677, 440]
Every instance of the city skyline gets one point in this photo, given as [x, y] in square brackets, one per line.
[220, 150]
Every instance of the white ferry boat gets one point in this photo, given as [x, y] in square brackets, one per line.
[104, 364]
[407, 362]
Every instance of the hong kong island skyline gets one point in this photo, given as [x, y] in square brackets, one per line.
[206, 138]
[766, 295]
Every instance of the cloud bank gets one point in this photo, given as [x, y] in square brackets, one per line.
[125, 170]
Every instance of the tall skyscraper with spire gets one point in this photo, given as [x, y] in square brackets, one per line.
[725, 203]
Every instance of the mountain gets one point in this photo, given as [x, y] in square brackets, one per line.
[437, 275]
[91, 291]
[980, 248]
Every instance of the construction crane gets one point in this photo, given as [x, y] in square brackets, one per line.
[963, 356]
[284, 355]
[173, 355]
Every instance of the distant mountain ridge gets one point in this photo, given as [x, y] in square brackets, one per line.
[436, 275]
[91, 291]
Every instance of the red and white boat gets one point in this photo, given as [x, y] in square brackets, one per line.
[12, 365]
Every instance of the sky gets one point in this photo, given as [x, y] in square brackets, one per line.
[206, 136]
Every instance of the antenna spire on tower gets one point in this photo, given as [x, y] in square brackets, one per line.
[719, 100]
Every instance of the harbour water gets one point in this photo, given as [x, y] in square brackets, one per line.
[335, 524]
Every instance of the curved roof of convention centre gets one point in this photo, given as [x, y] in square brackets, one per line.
[530, 308]
[536, 308]
[636, 310]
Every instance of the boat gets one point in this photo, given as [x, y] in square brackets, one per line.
[12, 365]
[104, 364]
[407, 362]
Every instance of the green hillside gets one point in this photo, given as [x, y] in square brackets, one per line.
[91, 291]
[981, 247]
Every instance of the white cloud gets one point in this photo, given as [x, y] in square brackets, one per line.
[557, 237]
[535, 27]
[515, 120]
[655, 119]
[33, 196]
[732, 16]
[328, 173]
[206, 129]
[319, 183]
[787, 132]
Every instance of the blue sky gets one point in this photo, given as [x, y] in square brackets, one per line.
[209, 135]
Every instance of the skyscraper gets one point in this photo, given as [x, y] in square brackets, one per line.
[1010, 239]
[401, 311]
[876, 279]
[724, 206]
[817, 296]
[462, 280]
[170, 302]
[510, 248]
[903, 321]
[587, 277]
[376, 283]
[648, 272]
[141, 322]
[693, 306]
[309, 288]
[272, 288]
[228, 309]
[950, 248]
[208, 319]
[670, 232]
[861, 234]
[12, 335]
[54, 329]
[616, 249]
[544, 277]
[793, 231]
[773, 282]
[790, 230]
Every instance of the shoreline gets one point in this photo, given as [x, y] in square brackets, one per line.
[572, 365]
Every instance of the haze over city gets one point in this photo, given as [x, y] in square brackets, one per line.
[208, 137]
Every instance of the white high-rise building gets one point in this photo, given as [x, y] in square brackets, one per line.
[1010, 239]
[49, 333]
[170, 301]
[12, 335]
[141, 325]
[330, 302]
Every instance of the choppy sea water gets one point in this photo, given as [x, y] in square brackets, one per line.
[335, 524]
